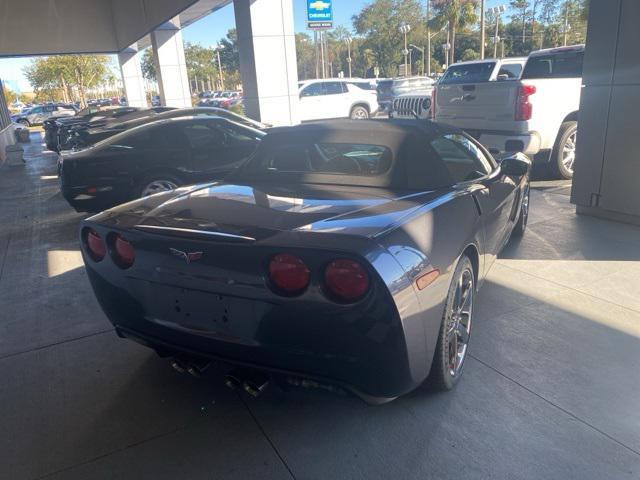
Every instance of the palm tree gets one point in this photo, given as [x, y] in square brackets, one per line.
[456, 15]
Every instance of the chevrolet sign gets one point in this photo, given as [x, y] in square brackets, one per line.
[319, 14]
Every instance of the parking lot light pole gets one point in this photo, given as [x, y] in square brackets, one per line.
[497, 11]
[421, 50]
[217, 49]
[348, 41]
[405, 28]
[482, 34]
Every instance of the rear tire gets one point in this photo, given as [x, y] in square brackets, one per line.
[24, 122]
[156, 183]
[564, 151]
[453, 339]
[523, 218]
[359, 112]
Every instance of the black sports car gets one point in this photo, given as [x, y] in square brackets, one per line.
[51, 125]
[153, 157]
[89, 136]
[68, 133]
[341, 254]
[58, 128]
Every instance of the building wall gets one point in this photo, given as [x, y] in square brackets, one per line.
[607, 166]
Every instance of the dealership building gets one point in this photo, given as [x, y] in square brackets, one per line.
[604, 183]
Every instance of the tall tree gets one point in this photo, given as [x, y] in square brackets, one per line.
[522, 9]
[66, 73]
[455, 15]
[378, 24]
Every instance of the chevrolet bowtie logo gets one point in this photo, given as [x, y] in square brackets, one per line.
[186, 256]
[319, 5]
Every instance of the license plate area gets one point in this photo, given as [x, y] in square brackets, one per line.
[191, 309]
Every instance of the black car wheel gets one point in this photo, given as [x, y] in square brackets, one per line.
[24, 122]
[521, 224]
[455, 330]
[156, 184]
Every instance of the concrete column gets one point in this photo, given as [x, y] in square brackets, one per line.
[607, 169]
[132, 79]
[268, 65]
[171, 67]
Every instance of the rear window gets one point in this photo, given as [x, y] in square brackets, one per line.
[468, 73]
[557, 65]
[512, 71]
[325, 158]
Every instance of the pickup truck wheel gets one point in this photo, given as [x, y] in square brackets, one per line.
[564, 151]
[359, 113]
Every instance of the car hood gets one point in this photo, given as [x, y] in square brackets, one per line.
[261, 211]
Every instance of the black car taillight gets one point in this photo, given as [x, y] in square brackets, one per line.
[288, 274]
[96, 248]
[346, 280]
[122, 252]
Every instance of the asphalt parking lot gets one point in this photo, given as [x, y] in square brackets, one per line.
[550, 390]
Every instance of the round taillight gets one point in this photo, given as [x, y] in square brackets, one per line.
[122, 252]
[288, 274]
[346, 280]
[96, 247]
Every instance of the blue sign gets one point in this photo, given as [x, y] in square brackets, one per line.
[319, 14]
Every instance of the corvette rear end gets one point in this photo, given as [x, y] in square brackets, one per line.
[340, 255]
[306, 305]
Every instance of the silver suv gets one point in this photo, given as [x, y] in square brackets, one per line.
[37, 115]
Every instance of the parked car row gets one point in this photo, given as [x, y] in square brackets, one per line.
[527, 105]
[533, 109]
[221, 99]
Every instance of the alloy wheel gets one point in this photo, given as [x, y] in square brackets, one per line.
[459, 322]
[158, 186]
[525, 207]
[359, 113]
[569, 152]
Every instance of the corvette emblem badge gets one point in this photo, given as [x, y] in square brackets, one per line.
[186, 256]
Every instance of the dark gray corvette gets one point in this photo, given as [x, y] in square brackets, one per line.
[342, 254]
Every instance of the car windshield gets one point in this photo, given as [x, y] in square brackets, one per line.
[468, 73]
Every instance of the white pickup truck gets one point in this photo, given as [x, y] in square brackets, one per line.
[415, 100]
[536, 115]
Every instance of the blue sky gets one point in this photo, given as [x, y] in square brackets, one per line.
[209, 30]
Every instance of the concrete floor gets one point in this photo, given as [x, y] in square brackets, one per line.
[551, 390]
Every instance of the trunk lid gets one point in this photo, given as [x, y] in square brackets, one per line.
[242, 212]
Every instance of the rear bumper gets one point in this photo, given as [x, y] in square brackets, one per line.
[499, 141]
[337, 346]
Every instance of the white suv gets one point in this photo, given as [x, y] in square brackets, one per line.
[336, 98]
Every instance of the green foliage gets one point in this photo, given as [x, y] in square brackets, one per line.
[61, 76]
[469, 54]
[378, 26]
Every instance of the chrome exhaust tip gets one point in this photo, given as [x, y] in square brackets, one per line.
[177, 366]
[255, 384]
[232, 380]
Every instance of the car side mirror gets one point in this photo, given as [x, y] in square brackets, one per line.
[517, 165]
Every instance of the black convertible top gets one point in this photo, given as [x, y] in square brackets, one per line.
[414, 163]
